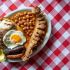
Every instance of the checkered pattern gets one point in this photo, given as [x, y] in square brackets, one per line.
[56, 54]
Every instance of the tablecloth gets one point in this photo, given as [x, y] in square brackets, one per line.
[56, 54]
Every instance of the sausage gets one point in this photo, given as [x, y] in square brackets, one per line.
[15, 56]
[16, 53]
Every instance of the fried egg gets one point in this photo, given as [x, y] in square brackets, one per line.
[14, 38]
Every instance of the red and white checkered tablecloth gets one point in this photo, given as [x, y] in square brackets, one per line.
[56, 54]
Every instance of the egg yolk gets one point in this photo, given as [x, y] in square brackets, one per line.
[15, 38]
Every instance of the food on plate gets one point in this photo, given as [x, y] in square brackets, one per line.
[15, 56]
[22, 32]
[14, 38]
[15, 53]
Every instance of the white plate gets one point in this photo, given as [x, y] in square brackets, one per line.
[46, 36]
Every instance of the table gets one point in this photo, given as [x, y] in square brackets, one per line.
[56, 54]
